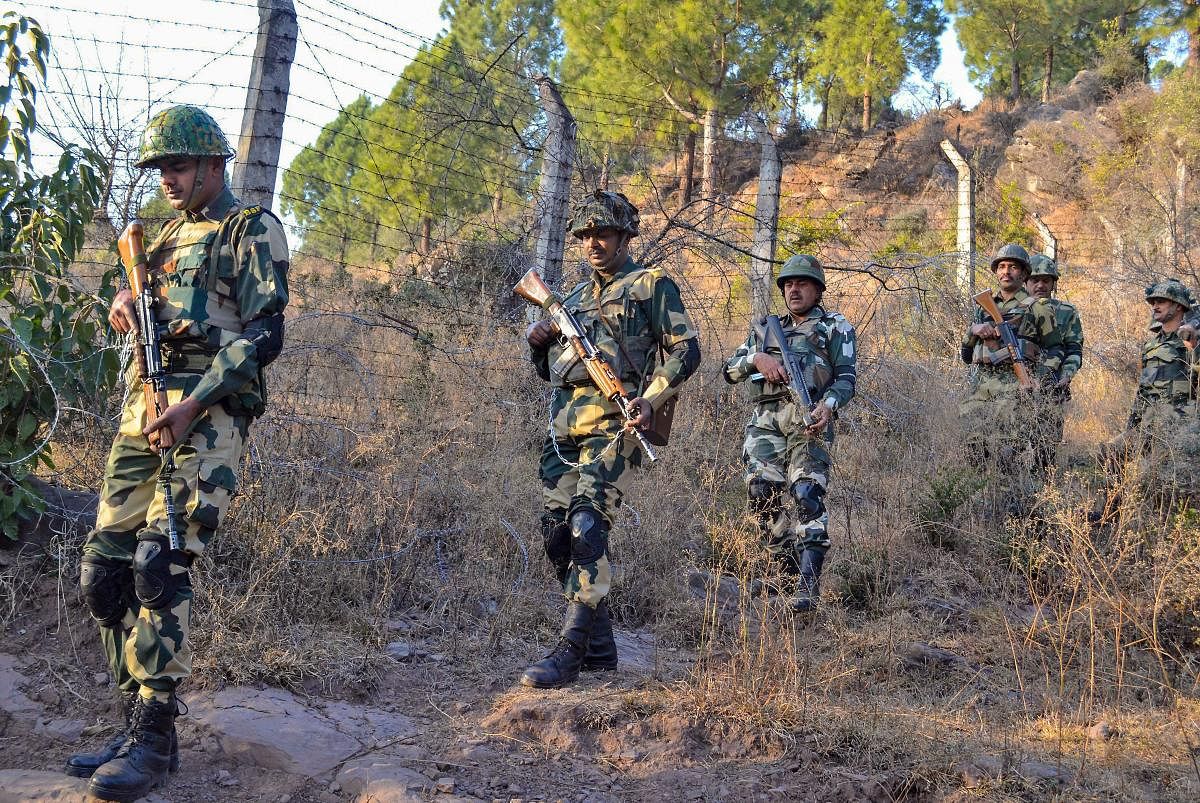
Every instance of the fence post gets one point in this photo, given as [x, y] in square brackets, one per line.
[965, 240]
[554, 183]
[1049, 241]
[766, 219]
[266, 103]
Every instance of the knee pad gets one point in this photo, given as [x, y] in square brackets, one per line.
[589, 536]
[810, 500]
[762, 496]
[154, 581]
[104, 584]
[556, 539]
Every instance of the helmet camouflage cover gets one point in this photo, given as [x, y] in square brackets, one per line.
[1014, 253]
[604, 210]
[182, 131]
[1040, 265]
[1171, 290]
[801, 266]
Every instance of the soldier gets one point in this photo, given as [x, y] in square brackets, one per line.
[219, 271]
[1001, 418]
[781, 454]
[1060, 360]
[637, 320]
[1167, 386]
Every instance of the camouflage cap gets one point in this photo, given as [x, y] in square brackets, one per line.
[1041, 265]
[1013, 253]
[1171, 290]
[182, 131]
[604, 210]
[801, 266]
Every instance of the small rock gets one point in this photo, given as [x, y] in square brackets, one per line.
[225, 778]
[335, 787]
[438, 658]
[400, 650]
[285, 799]
[1041, 771]
[101, 679]
[1102, 732]
[919, 654]
[445, 786]
[980, 769]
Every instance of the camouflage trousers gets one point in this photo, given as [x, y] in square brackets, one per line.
[583, 468]
[149, 649]
[779, 453]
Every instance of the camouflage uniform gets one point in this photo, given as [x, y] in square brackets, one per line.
[218, 274]
[777, 452]
[630, 317]
[997, 414]
[1061, 358]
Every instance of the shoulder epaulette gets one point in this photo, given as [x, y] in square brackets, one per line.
[1029, 301]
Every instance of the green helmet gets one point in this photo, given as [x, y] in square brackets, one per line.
[182, 131]
[1012, 252]
[801, 266]
[604, 210]
[1040, 265]
[1171, 290]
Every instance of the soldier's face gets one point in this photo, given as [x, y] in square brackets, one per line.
[1009, 275]
[177, 177]
[1163, 310]
[1040, 286]
[800, 294]
[605, 248]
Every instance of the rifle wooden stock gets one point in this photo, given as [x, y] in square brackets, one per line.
[1008, 338]
[132, 248]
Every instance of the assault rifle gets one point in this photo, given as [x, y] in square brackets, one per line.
[794, 368]
[1009, 338]
[148, 358]
[534, 290]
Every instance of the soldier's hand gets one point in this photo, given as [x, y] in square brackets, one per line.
[821, 417]
[771, 368]
[1187, 333]
[985, 331]
[175, 419]
[540, 335]
[121, 314]
[642, 413]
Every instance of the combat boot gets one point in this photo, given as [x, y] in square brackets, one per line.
[562, 665]
[601, 653]
[808, 584]
[82, 765]
[144, 760]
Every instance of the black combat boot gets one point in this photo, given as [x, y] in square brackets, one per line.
[808, 584]
[144, 760]
[82, 765]
[601, 653]
[561, 666]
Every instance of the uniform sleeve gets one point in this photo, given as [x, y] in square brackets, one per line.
[740, 366]
[261, 254]
[1072, 347]
[970, 341]
[674, 331]
[843, 357]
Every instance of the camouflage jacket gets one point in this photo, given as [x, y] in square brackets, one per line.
[1062, 349]
[1168, 374]
[202, 314]
[1032, 320]
[630, 317]
[826, 344]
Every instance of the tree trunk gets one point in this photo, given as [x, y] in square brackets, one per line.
[497, 201]
[426, 236]
[1049, 73]
[689, 166]
[604, 171]
[1193, 33]
[1015, 77]
[866, 101]
[825, 104]
[708, 166]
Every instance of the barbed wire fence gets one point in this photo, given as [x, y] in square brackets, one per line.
[397, 316]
